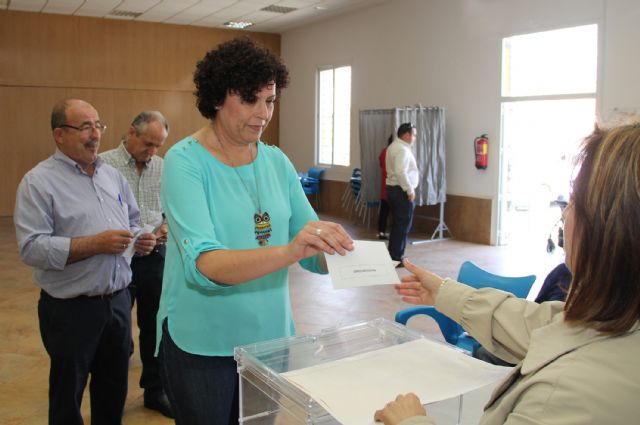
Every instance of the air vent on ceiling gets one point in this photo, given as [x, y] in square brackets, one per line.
[125, 13]
[278, 9]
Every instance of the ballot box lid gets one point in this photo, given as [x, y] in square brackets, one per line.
[266, 361]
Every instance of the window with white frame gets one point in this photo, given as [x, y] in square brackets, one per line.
[334, 116]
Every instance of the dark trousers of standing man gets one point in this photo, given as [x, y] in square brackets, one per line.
[401, 219]
[383, 216]
[146, 288]
[87, 335]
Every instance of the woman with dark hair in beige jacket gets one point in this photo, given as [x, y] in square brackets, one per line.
[579, 361]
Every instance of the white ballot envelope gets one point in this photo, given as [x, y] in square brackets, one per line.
[368, 264]
[131, 248]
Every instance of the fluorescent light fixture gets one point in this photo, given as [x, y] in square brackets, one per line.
[238, 24]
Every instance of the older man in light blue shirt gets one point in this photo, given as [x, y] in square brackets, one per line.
[75, 216]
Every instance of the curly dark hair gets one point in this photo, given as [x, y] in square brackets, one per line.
[238, 66]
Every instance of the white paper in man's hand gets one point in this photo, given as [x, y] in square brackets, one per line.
[368, 264]
[132, 246]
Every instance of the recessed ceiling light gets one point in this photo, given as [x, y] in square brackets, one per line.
[238, 25]
[320, 7]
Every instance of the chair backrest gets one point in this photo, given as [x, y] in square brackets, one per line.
[316, 172]
[450, 329]
[356, 181]
[473, 275]
[310, 184]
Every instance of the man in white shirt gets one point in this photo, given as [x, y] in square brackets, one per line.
[402, 179]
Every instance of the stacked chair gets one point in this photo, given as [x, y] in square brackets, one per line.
[311, 183]
[353, 202]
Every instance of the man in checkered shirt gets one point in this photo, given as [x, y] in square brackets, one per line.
[136, 159]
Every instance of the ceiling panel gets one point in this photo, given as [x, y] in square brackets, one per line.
[66, 7]
[199, 11]
[210, 13]
[137, 6]
[260, 3]
[298, 3]
[27, 5]
[97, 8]
[166, 9]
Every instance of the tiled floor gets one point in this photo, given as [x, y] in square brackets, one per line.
[24, 364]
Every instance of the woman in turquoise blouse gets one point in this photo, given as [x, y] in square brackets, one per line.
[238, 218]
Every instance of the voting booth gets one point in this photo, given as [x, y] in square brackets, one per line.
[268, 396]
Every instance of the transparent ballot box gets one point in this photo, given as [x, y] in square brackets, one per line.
[268, 398]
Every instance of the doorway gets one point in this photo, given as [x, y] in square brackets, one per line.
[548, 107]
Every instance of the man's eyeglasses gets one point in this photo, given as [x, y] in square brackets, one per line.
[87, 128]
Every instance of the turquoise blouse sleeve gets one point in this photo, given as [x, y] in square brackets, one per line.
[183, 197]
[301, 213]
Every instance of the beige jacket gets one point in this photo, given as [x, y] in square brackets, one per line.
[566, 375]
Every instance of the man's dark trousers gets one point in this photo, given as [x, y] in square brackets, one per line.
[146, 288]
[401, 219]
[87, 336]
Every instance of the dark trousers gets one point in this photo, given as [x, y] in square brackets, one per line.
[401, 219]
[202, 390]
[383, 216]
[145, 289]
[86, 336]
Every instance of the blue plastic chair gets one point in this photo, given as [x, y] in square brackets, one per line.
[351, 195]
[311, 183]
[476, 277]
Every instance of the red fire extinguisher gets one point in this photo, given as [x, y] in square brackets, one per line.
[481, 147]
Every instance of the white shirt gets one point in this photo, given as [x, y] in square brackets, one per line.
[402, 169]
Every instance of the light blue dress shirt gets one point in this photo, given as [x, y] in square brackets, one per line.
[57, 201]
[209, 208]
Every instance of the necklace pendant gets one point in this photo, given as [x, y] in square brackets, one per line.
[263, 227]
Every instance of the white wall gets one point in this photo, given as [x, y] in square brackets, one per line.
[445, 53]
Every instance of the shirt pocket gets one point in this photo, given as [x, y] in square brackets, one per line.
[115, 208]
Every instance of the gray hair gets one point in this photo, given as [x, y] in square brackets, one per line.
[142, 120]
